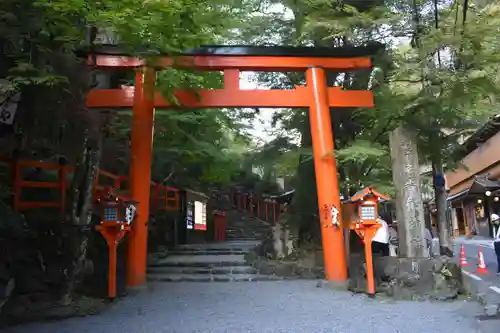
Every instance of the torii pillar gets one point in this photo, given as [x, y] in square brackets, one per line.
[326, 177]
[140, 174]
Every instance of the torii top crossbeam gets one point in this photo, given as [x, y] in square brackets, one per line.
[231, 60]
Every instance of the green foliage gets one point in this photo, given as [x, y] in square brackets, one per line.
[448, 84]
[444, 88]
[191, 147]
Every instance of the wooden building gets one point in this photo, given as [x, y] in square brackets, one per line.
[474, 187]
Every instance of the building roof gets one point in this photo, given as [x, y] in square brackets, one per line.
[482, 135]
[479, 186]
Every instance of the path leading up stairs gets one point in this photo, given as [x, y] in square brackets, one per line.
[214, 262]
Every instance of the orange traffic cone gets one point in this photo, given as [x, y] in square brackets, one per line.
[463, 259]
[481, 267]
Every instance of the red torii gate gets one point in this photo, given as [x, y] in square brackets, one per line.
[316, 96]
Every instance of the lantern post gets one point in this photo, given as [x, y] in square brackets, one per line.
[366, 225]
[117, 215]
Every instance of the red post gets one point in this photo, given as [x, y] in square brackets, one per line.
[113, 235]
[140, 174]
[326, 176]
[117, 183]
[219, 226]
[251, 204]
[370, 275]
[266, 205]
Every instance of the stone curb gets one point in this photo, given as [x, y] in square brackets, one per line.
[480, 292]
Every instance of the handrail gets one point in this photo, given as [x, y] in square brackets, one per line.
[162, 197]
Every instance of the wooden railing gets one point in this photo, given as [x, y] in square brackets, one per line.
[162, 197]
[260, 206]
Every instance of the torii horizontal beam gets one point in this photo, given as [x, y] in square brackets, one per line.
[300, 97]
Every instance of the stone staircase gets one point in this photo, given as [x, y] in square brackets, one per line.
[214, 262]
[242, 227]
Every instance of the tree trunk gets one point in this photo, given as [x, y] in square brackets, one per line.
[441, 207]
[80, 207]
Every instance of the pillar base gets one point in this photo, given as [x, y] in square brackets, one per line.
[333, 285]
[138, 289]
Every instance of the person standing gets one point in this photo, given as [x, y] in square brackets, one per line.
[495, 221]
[380, 242]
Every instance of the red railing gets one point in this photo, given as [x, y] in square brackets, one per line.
[162, 197]
[260, 206]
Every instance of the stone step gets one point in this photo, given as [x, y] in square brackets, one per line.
[242, 238]
[211, 278]
[247, 225]
[208, 249]
[224, 270]
[188, 252]
[247, 231]
[200, 261]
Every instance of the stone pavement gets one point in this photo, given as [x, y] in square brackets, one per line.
[260, 307]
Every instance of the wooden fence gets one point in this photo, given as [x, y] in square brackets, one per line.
[162, 197]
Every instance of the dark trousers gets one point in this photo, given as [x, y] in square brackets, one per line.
[497, 251]
[380, 248]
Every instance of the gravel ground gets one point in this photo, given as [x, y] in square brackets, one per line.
[260, 307]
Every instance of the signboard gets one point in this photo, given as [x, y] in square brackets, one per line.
[200, 215]
[368, 213]
[190, 215]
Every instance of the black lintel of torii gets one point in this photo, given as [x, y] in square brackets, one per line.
[368, 50]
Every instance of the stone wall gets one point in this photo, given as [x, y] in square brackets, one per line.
[408, 278]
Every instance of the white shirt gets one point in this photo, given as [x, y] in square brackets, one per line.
[496, 233]
[382, 234]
